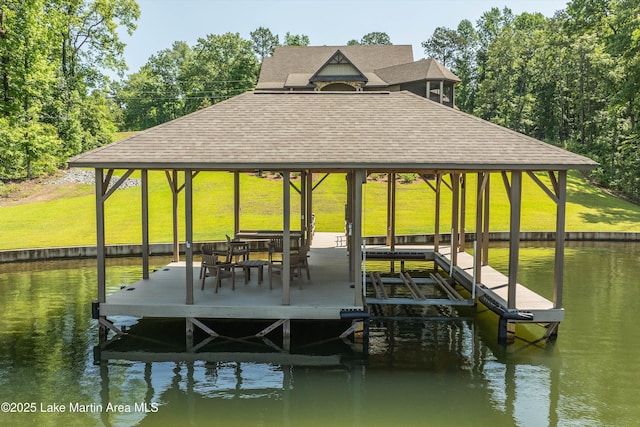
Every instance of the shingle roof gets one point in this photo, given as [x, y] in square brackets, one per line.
[425, 69]
[308, 59]
[331, 131]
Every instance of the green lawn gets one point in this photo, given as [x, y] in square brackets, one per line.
[70, 220]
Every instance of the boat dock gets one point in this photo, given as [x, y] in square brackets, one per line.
[328, 295]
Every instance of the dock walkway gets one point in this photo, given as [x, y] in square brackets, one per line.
[493, 289]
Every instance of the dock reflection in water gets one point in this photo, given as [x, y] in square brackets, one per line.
[430, 368]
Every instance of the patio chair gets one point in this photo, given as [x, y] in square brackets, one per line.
[303, 258]
[209, 249]
[212, 267]
[275, 247]
[297, 260]
[237, 249]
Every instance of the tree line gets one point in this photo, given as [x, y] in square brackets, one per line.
[183, 78]
[571, 80]
[53, 101]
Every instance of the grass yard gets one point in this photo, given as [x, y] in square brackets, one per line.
[65, 214]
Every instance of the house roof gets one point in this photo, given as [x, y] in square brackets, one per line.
[424, 69]
[331, 131]
[307, 60]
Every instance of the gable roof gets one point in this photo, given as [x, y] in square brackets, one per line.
[331, 131]
[307, 60]
[325, 73]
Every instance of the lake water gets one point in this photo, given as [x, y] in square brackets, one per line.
[445, 369]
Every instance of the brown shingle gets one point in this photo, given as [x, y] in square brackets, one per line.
[425, 69]
[308, 59]
[324, 130]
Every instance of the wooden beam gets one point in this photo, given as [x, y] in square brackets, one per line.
[293, 185]
[544, 188]
[236, 203]
[558, 281]
[321, 180]
[105, 184]
[485, 228]
[455, 214]
[188, 213]
[359, 179]
[303, 206]
[554, 182]
[173, 185]
[286, 239]
[270, 328]
[100, 236]
[436, 231]
[463, 212]
[118, 183]
[507, 186]
[309, 214]
[144, 184]
[477, 253]
[514, 236]
[427, 181]
[391, 210]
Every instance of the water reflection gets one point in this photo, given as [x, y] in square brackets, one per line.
[432, 367]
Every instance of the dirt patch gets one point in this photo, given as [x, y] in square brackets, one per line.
[43, 189]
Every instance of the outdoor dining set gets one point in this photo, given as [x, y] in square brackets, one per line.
[222, 264]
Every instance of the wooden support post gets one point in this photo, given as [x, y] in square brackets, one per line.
[188, 213]
[477, 253]
[455, 186]
[558, 281]
[286, 335]
[514, 236]
[189, 330]
[101, 252]
[286, 239]
[236, 203]
[485, 228]
[436, 231]
[463, 212]
[174, 190]
[309, 214]
[144, 176]
[391, 210]
[359, 180]
[100, 236]
[303, 207]
[348, 216]
[441, 91]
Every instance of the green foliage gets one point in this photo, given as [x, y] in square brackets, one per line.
[264, 42]
[183, 79]
[296, 39]
[376, 38]
[571, 79]
[52, 91]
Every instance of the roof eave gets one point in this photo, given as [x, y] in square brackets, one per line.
[331, 166]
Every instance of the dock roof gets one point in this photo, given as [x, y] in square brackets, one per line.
[331, 131]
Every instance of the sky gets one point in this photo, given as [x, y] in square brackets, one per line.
[328, 22]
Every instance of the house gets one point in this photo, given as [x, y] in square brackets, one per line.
[356, 68]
